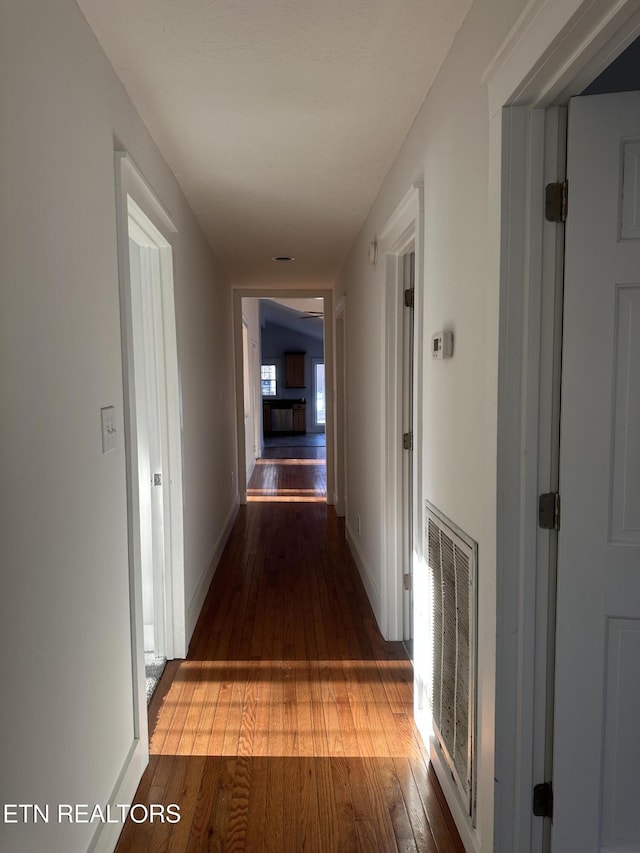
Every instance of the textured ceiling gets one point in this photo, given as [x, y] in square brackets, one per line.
[280, 118]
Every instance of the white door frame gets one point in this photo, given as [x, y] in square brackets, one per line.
[553, 51]
[340, 408]
[275, 293]
[403, 230]
[131, 187]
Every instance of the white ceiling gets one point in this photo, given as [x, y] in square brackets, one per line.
[280, 118]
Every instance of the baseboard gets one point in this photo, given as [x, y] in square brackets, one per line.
[370, 585]
[461, 819]
[107, 834]
[194, 608]
[251, 469]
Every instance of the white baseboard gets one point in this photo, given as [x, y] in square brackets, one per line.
[194, 608]
[251, 469]
[107, 834]
[461, 819]
[370, 585]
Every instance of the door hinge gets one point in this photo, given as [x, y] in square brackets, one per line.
[407, 441]
[556, 200]
[406, 580]
[543, 800]
[549, 511]
[409, 297]
[157, 479]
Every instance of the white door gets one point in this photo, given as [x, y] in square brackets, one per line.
[148, 358]
[408, 262]
[596, 773]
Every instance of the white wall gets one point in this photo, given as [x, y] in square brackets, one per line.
[448, 149]
[67, 703]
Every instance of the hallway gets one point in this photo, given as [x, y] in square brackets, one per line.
[289, 726]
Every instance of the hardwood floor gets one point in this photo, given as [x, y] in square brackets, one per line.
[288, 480]
[289, 727]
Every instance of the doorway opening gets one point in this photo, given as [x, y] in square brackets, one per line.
[292, 462]
[153, 432]
[400, 252]
[408, 356]
[285, 429]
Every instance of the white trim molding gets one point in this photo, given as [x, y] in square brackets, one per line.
[403, 230]
[556, 47]
[366, 574]
[199, 596]
[340, 406]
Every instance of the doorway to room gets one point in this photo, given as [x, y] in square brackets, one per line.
[292, 464]
[153, 431]
[285, 398]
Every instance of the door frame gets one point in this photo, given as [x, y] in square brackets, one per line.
[404, 230]
[553, 51]
[239, 293]
[130, 184]
[340, 410]
[409, 511]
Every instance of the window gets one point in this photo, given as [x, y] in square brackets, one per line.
[318, 387]
[268, 380]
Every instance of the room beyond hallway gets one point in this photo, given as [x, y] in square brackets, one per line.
[289, 726]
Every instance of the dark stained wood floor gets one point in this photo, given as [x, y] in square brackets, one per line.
[289, 727]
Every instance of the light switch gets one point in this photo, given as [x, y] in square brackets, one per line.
[109, 431]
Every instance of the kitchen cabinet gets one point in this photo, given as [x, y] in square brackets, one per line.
[294, 369]
[266, 417]
[284, 416]
[299, 417]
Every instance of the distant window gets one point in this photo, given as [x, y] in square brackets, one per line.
[319, 392]
[268, 380]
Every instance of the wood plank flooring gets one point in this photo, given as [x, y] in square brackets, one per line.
[289, 727]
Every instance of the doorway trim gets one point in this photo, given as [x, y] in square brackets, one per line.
[239, 294]
[340, 412]
[130, 184]
[403, 231]
[553, 51]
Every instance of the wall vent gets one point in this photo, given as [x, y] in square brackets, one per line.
[452, 567]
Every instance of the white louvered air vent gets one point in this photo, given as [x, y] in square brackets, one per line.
[452, 565]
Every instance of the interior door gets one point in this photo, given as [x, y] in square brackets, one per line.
[597, 711]
[407, 459]
[150, 410]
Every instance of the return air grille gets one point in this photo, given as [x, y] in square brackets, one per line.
[452, 559]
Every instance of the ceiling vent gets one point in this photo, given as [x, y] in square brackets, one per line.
[452, 566]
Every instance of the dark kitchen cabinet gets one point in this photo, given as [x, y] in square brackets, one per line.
[294, 370]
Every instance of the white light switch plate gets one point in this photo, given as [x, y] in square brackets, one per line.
[109, 431]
